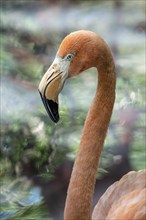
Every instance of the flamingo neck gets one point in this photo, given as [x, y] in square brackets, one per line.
[82, 182]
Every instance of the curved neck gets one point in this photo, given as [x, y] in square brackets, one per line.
[81, 187]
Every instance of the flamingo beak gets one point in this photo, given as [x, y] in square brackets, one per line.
[50, 87]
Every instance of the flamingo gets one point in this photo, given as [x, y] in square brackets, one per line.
[125, 199]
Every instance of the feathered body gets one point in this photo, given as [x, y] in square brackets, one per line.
[79, 51]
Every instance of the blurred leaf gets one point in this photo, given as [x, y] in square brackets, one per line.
[20, 201]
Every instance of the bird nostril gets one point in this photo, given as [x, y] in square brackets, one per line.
[50, 76]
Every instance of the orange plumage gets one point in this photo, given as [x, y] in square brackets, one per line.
[126, 199]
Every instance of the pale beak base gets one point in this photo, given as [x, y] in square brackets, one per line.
[51, 85]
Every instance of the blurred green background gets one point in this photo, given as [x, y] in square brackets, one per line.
[37, 155]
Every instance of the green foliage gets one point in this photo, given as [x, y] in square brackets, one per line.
[31, 143]
[22, 144]
[138, 151]
[21, 201]
[27, 67]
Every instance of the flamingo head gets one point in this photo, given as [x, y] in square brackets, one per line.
[76, 53]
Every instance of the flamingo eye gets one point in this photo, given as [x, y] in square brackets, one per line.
[69, 57]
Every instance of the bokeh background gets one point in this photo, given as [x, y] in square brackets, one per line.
[36, 155]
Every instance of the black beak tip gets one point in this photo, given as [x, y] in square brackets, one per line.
[51, 108]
